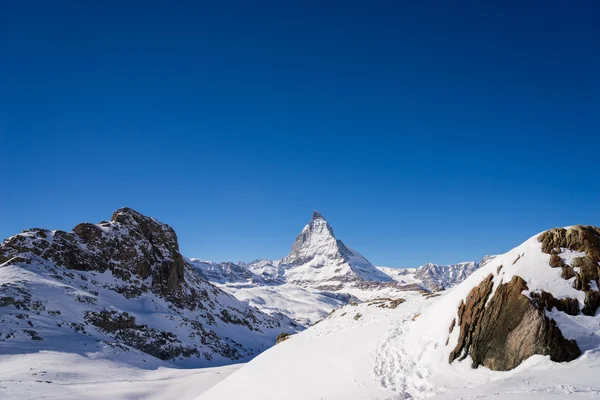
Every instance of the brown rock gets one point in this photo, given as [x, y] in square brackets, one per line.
[556, 261]
[567, 272]
[509, 330]
[592, 302]
[282, 337]
[588, 271]
[547, 301]
[577, 238]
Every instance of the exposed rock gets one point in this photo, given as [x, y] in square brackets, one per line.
[386, 302]
[585, 269]
[576, 238]
[111, 321]
[592, 302]
[588, 272]
[470, 314]
[282, 337]
[567, 272]
[509, 329]
[547, 301]
[556, 261]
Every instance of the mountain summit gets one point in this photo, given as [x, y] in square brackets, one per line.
[318, 257]
[317, 215]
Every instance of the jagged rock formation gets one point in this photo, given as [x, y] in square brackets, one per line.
[585, 268]
[502, 324]
[508, 329]
[124, 281]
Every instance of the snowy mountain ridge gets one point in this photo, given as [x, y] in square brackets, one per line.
[118, 287]
[433, 277]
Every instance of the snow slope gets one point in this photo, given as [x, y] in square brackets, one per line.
[305, 306]
[367, 352]
[90, 376]
[335, 359]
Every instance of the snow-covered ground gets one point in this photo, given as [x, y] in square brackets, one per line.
[303, 305]
[353, 354]
[49, 375]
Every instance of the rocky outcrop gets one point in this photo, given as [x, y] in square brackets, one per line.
[508, 329]
[282, 337]
[585, 269]
[548, 301]
[132, 246]
[576, 238]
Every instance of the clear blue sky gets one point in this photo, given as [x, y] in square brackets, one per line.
[423, 132]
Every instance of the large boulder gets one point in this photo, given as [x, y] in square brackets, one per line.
[508, 329]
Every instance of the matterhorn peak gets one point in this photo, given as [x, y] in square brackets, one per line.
[317, 215]
[318, 256]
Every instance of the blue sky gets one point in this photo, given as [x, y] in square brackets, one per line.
[423, 132]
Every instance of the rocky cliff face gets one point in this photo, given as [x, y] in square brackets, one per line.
[511, 315]
[508, 329]
[130, 245]
[124, 281]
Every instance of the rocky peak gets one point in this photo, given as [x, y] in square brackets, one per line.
[132, 246]
[317, 215]
[316, 239]
[317, 256]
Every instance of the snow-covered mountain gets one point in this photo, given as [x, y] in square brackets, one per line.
[320, 274]
[121, 287]
[525, 325]
[432, 276]
[318, 258]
